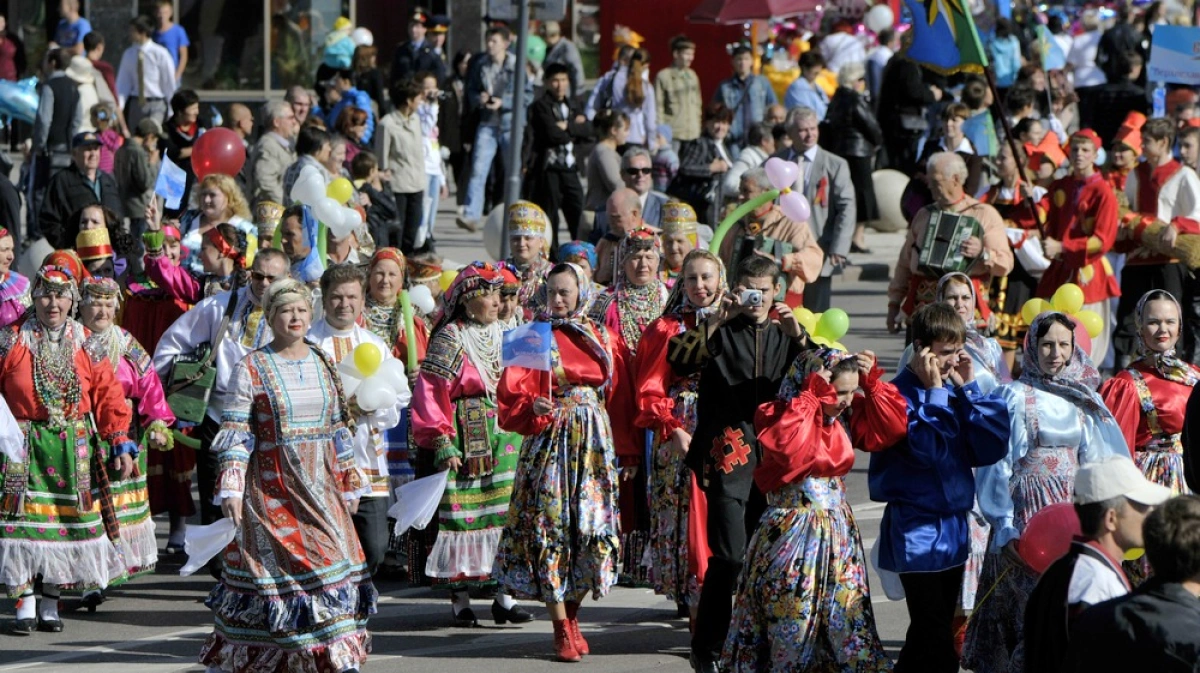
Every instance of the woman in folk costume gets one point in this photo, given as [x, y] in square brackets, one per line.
[561, 539]
[296, 592]
[803, 601]
[128, 502]
[583, 255]
[59, 387]
[679, 237]
[666, 406]
[511, 315]
[151, 308]
[454, 421]
[528, 239]
[14, 288]
[1149, 398]
[1057, 421]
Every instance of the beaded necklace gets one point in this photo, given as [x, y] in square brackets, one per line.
[112, 343]
[55, 381]
[382, 320]
[637, 306]
[482, 344]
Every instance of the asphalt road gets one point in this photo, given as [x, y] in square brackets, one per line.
[157, 623]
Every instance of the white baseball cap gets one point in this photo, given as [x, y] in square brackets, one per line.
[1116, 476]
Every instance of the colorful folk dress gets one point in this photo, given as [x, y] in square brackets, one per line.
[454, 415]
[70, 406]
[296, 592]
[130, 499]
[14, 297]
[531, 275]
[561, 540]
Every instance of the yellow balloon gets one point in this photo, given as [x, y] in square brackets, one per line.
[367, 359]
[1068, 299]
[1092, 322]
[1033, 308]
[840, 346]
[806, 318]
[1134, 554]
[446, 279]
[340, 190]
[820, 341]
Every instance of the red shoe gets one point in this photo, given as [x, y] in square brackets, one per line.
[581, 645]
[564, 643]
[960, 633]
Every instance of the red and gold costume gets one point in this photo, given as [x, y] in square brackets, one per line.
[1082, 213]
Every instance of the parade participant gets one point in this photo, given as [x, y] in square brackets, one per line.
[666, 405]
[225, 254]
[338, 334]
[70, 408]
[581, 254]
[1164, 188]
[1124, 151]
[561, 539]
[528, 234]
[509, 314]
[638, 296]
[1057, 421]
[1081, 227]
[96, 251]
[679, 237]
[278, 611]
[767, 231]
[806, 567]
[1112, 500]
[927, 484]
[218, 200]
[742, 355]
[1010, 197]
[14, 288]
[454, 422]
[991, 255]
[244, 332]
[150, 309]
[128, 500]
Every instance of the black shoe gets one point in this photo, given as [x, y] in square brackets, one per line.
[682, 611]
[516, 614]
[702, 664]
[859, 250]
[465, 619]
[49, 625]
[92, 600]
[22, 627]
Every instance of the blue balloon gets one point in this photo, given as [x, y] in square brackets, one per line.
[19, 100]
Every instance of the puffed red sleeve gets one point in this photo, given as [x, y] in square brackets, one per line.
[106, 399]
[879, 416]
[654, 377]
[515, 393]
[1121, 397]
[795, 441]
[628, 441]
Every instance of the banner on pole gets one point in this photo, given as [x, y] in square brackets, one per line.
[1175, 55]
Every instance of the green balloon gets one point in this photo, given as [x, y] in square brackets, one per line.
[833, 324]
[535, 49]
[732, 218]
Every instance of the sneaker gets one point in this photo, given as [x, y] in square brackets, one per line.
[466, 223]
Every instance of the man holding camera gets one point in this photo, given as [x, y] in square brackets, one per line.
[743, 354]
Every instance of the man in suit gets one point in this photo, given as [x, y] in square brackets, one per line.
[417, 55]
[273, 153]
[824, 179]
[556, 122]
[636, 173]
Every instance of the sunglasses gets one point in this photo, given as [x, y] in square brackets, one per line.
[262, 277]
[635, 171]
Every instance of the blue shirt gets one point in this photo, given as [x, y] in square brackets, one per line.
[926, 480]
[174, 39]
[804, 93]
[71, 34]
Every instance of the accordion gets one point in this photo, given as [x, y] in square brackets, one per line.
[941, 248]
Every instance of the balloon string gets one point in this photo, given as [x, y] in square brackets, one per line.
[987, 595]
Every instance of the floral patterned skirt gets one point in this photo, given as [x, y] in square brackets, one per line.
[561, 540]
[981, 532]
[1162, 463]
[803, 601]
[673, 551]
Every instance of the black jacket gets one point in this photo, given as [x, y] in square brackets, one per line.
[1112, 102]
[548, 139]
[66, 194]
[383, 215]
[852, 128]
[410, 60]
[902, 92]
[1155, 628]
[695, 182]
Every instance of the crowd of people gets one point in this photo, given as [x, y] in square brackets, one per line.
[688, 432]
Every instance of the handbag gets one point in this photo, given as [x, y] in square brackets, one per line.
[194, 374]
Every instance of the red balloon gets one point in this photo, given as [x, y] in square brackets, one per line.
[1082, 339]
[1048, 536]
[219, 151]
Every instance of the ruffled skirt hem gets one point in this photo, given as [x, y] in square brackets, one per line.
[347, 651]
[77, 564]
[466, 555]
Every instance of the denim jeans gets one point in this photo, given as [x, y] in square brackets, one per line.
[432, 198]
[487, 140]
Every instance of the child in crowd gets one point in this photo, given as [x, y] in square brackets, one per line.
[666, 160]
[382, 216]
[223, 252]
[103, 117]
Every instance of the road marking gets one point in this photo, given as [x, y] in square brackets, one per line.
[109, 649]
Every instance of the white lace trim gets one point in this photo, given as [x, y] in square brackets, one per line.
[139, 547]
[95, 562]
[469, 553]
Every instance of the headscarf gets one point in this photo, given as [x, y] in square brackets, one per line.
[1168, 365]
[578, 250]
[1077, 382]
[804, 365]
[473, 280]
[68, 260]
[283, 292]
[98, 287]
[51, 279]
[976, 344]
[678, 302]
[387, 253]
[637, 305]
[310, 268]
[577, 320]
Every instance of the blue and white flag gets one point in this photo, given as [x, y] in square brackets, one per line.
[528, 346]
[171, 182]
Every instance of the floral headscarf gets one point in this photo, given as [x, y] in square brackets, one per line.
[678, 302]
[1077, 382]
[473, 280]
[388, 253]
[578, 250]
[804, 365]
[578, 319]
[976, 344]
[1168, 365]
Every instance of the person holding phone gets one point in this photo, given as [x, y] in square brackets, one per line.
[742, 354]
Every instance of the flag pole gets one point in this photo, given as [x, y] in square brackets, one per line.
[1012, 146]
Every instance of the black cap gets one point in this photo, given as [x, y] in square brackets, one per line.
[85, 139]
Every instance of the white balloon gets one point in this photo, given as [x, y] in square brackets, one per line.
[374, 394]
[362, 37]
[345, 222]
[392, 373]
[351, 377]
[309, 187]
[422, 299]
[328, 211]
[493, 230]
[879, 18]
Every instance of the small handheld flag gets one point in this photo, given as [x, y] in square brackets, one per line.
[171, 182]
[528, 346]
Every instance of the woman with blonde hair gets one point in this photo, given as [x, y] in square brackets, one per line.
[218, 200]
[627, 90]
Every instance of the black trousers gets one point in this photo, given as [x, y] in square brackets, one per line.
[559, 189]
[1137, 280]
[818, 294]
[929, 644]
[207, 471]
[410, 207]
[370, 522]
[731, 522]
